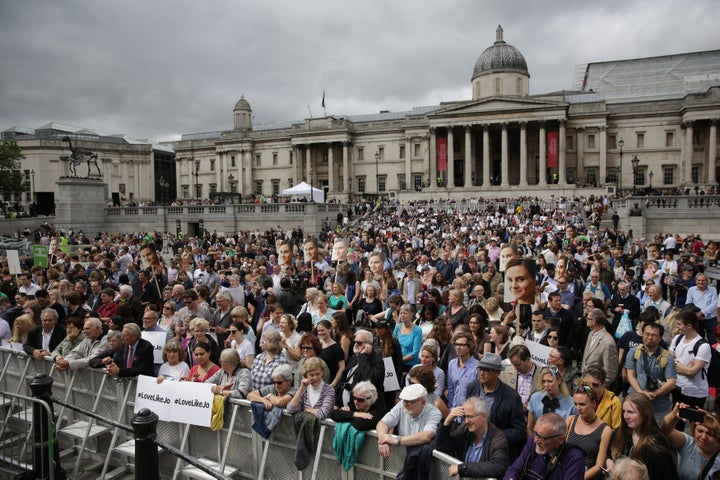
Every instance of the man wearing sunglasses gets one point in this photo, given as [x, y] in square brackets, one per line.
[546, 455]
[366, 364]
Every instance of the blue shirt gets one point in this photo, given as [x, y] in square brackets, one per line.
[475, 451]
[567, 407]
[458, 380]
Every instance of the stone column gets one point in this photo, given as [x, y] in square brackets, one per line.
[468, 156]
[297, 161]
[580, 167]
[504, 167]
[603, 155]
[542, 167]
[523, 154]
[561, 154]
[249, 176]
[219, 173]
[346, 171]
[450, 158]
[308, 164]
[408, 164]
[712, 151]
[433, 158]
[331, 170]
[688, 153]
[486, 156]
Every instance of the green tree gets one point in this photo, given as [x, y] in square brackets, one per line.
[11, 178]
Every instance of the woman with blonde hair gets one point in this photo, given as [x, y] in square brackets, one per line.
[552, 395]
[492, 307]
[21, 327]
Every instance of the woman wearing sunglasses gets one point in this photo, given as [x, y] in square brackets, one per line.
[553, 397]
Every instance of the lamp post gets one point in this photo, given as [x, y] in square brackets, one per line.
[377, 178]
[197, 185]
[621, 144]
[231, 179]
[32, 176]
[312, 187]
[350, 188]
[651, 175]
[635, 162]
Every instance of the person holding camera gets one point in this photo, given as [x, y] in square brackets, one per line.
[697, 454]
[651, 369]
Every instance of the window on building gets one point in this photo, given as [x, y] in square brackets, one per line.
[612, 142]
[275, 155]
[258, 187]
[116, 169]
[417, 181]
[361, 184]
[695, 174]
[381, 152]
[121, 188]
[669, 139]
[212, 164]
[592, 176]
[401, 181]
[498, 86]
[290, 182]
[233, 161]
[640, 140]
[258, 159]
[382, 181]
[361, 154]
[417, 150]
[275, 187]
[518, 86]
[198, 190]
[402, 151]
[640, 176]
[570, 175]
[28, 196]
[612, 177]
[213, 187]
[591, 142]
[292, 159]
[570, 142]
[668, 175]
[325, 157]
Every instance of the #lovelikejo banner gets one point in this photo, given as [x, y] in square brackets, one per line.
[182, 402]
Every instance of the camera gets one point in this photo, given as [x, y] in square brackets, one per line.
[692, 415]
[652, 383]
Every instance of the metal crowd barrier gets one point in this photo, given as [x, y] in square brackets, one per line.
[236, 450]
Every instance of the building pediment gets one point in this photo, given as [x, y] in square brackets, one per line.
[497, 105]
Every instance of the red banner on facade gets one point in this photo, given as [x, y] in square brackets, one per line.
[552, 149]
[442, 154]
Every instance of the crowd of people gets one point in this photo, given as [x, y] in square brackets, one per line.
[419, 322]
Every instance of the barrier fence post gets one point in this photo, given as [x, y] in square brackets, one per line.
[146, 453]
[46, 454]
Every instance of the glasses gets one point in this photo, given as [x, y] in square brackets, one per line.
[552, 337]
[148, 318]
[306, 348]
[358, 399]
[278, 382]
[166, 307]
[470, 417]
[549, 437]
[232, 332]
[359, 343]
[460, 344]
[583, 389]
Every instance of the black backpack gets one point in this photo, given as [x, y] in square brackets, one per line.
[712, 370]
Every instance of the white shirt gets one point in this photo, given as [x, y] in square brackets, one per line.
[696, 386]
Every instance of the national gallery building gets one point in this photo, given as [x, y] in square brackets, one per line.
[646, 122]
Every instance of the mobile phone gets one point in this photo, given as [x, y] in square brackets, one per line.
[692, 415]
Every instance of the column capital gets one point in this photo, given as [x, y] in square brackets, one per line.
[713, 122]
[562, 122]
[579, 129]
[433, 130]
[603, 128]
[688, 124]
[542, 123]
[523, 125]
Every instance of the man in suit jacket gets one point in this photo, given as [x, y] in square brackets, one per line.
[43, 339]
[136, 357]
[494, 458]
[600, 347]
[523, 376]
[506, 410]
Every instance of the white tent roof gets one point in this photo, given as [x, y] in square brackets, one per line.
[303, 190]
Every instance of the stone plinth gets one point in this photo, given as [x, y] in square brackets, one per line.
[81, 204]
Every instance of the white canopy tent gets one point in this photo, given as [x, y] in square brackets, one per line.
[303, 190]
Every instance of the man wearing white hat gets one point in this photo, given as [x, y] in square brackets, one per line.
[415, 422]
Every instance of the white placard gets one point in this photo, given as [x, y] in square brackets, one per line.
[158, 340]
[539, 353]
[391, 383]
[712, 272]
[181, 402]
[13, 259]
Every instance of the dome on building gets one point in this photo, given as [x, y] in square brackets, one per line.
[500, 57]
[242, 104]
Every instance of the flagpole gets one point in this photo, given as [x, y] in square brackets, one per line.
[323, 97]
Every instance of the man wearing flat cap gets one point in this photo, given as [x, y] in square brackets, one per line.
[415, 422]
[504, 404]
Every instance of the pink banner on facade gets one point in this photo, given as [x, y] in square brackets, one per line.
[442, 154]
[552, 149]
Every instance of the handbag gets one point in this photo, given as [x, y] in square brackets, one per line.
[624, 326]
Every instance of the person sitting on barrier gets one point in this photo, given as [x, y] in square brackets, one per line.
[271, 356]
[233, 379]
[314, 395]
[425, 376]
[482, 446]
[415, 422]
[43, 339]
[354, 420]
[270, 400]
[93, 342]
[174, 368]
[73, 336]
[137, 355]
[109, 354]
[204, 368]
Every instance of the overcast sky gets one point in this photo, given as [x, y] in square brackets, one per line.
[156, 69]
